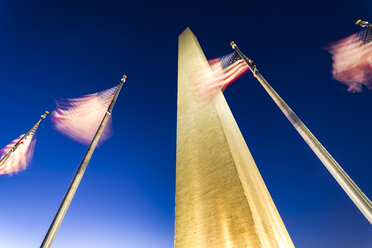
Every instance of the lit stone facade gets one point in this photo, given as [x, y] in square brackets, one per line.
[221, 198]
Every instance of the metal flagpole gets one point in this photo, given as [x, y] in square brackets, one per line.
[347, 184]
[5, 158]
[53, 229]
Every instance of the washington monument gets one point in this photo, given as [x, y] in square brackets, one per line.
[221, 198]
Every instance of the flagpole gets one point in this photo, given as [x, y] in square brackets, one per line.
[53, 229]
[5, 158]
[347, 184]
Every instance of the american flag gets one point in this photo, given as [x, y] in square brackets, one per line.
[79, 118]
[228, 68]
[21, 157]
[222, 72]
[352, 60]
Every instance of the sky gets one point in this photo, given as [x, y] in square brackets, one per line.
[61, 49]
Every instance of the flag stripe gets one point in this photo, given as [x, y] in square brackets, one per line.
[352, 60]
[221, 72]
[79, 118]
[21, 157]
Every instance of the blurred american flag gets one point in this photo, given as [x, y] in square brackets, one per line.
[352, 60]
[228, 68]
[21, 157]
[221, 72]
[79, 118]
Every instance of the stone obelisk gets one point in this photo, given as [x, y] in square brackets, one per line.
[221, 198]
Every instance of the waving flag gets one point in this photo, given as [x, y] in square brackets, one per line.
[228, 68]
[223, 71]
[352, 60]
[79, 118]
[21, 157]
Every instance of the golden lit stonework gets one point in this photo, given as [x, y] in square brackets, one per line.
[221, 198]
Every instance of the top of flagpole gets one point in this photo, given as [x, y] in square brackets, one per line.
[363, 23]
[123, 78]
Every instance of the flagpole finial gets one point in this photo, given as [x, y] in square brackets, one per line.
[124, 78]
[363, 23]
[45, 114]
[232, 44]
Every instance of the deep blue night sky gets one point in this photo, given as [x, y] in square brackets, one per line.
[59, 49]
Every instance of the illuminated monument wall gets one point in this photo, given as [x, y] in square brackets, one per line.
[221, 198]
